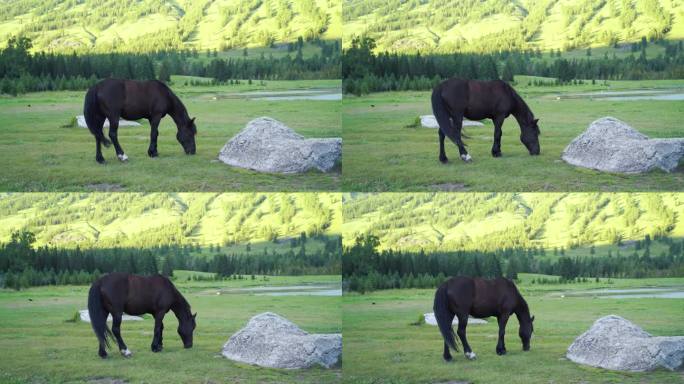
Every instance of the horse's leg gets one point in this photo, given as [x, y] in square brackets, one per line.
[116, 330]
[454, 134]
[157, 344]
[442, 154]
[99, 136]
[154, 132]
[102, 350]
[500, 345]
[114, 135]
[462, 324]
[98, 151]
[496, 147]
[447, 351]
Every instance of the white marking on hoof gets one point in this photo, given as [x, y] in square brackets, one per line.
[471, 355]
[467, 158]
[126, 352]
[122, 157]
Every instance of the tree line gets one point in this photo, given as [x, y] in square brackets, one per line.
[365, 71]
[22, 71]
[22, 264]
[365, 268]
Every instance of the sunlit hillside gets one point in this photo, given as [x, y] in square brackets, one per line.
[488, 221]
[492, 25]
[153, 25]
[143, 220]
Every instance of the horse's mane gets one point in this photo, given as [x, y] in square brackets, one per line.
[178, 105]
[521, 106]
[180, 305]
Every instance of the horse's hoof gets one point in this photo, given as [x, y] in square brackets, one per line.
[156, 348]
[496, 153]
[102, 354]
[500, 352]
[126, 352]
[448, 359]
[443, 160]
[471, 355]
[152, 153]
[100, 160]
[467, 158]
[122, 157]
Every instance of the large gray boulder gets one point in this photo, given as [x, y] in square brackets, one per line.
[611, 145]
[269, 340]
[267, 145]
[80, 120]
[618, 344]
[85, 317]
[429, 121]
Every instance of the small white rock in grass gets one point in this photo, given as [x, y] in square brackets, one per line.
[430, 319]
[85, 317]
[80, 119]
[429, 121]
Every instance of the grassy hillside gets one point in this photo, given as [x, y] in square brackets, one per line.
[492, 25]
[132, 219]
[488, 221]
[150, 25]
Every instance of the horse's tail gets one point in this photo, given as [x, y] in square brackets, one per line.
[441, 114]
[98, 316]
[91, 112]
[444, 316]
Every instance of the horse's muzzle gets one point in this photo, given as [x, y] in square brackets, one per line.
[187, 346]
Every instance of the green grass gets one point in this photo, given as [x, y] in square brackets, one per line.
[380, 345]
[382, 154]
[39, 155]
[38, 345]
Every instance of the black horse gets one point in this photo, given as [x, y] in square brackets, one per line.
[117, 293]
[152, 100]
[454, 99]
[463, 296]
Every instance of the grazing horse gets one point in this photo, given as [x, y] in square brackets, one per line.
[152, 100]
[117, 293]
[454, 99]
[463, 296]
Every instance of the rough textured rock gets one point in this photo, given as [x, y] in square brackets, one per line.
[430, 319]
[80, 119]
[611, 145]
[429, 121]
[85, 317]
[267, 145]
[269, 340]
[615, 343]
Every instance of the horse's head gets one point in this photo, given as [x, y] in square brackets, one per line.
[185, 329]
[525, 332]
[529, 135]
[186, 136]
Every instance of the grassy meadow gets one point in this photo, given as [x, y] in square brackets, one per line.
[43, 150]
[385, 150]
[40, 343]
[382, 346]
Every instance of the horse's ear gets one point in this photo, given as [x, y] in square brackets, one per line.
[193, 119]
[195, 315]
[532, 318]
[535, 121]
